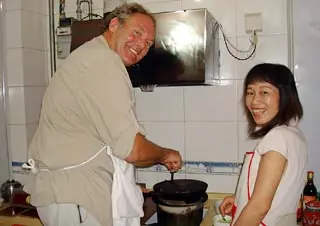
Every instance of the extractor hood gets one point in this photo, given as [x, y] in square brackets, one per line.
[186, 51]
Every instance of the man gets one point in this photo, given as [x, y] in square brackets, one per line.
[88, 106]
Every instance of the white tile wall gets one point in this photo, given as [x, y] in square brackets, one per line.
[27, 70]
[33, 70]
[164, 104]
[18, 142]
[36, 6]
[17, 112]
[207, 98]
[217, 183]
[274, 15]
[13, 4]
[157, 6]
[34, 30]
[222, 11]
[228, 66]
[270, 48]
[33, 100]
[167, 134]
[13, 29]
[211, 141]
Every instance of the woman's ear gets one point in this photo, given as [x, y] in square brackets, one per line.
[114, 24]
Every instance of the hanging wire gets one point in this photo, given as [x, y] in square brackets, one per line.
[252, 48]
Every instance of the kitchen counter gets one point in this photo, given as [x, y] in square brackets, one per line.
[21, 213]
[18, 212]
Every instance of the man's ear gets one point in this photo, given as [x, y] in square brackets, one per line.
[114, 24]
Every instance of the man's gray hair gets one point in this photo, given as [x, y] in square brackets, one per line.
[124, 11]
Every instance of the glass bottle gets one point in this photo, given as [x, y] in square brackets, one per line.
[310, 190]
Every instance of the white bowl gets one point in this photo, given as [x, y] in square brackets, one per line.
[217, 220]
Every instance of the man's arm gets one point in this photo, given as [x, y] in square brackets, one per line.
[146, 153]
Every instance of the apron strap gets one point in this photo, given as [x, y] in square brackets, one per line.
[30, 164]
[248, 181]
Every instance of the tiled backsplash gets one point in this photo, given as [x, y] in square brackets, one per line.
[218, 175]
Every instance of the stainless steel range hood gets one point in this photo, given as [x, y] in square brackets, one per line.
[186, 51]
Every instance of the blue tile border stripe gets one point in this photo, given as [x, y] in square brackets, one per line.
[16, 164]
[201, 167]
[193, 167]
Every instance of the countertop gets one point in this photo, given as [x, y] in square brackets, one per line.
[21, 213]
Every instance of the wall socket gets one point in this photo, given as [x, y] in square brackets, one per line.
[253, 22]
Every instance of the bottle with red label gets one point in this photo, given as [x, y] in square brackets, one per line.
[310, 190]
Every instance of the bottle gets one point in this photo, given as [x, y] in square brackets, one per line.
[310, 190]
[299, 210]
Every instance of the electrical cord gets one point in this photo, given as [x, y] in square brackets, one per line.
[217, 25]
[238, 58]
[252, 48]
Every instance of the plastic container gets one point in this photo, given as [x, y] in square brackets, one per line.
[311, 215]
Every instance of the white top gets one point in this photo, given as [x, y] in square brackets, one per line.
[290, 142]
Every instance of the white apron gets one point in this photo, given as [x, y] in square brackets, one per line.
[244, 191]
[126, 196]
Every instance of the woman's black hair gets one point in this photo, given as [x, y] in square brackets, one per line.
[290, 107]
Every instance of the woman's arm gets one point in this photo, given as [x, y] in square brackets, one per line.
[271, 169]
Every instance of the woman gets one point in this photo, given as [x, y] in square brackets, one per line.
[272, 176]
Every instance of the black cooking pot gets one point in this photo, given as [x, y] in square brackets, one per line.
[180, 202]
[186, 190]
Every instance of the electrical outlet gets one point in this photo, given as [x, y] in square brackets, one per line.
[253, 22]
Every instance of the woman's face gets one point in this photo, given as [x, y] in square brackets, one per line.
[262, 100]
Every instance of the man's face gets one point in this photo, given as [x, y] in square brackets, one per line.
[132, 40]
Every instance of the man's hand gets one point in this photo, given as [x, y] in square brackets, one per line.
[172, 160]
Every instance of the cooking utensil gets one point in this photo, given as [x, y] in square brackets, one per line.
[180, 201]
[187, 190]
[172, 174]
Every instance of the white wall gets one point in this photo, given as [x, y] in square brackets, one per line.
[27, 69]
[306, 24]
[4, 153]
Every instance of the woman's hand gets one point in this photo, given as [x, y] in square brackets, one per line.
[226, 205]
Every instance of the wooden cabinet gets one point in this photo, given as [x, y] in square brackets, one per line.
[84, 30]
